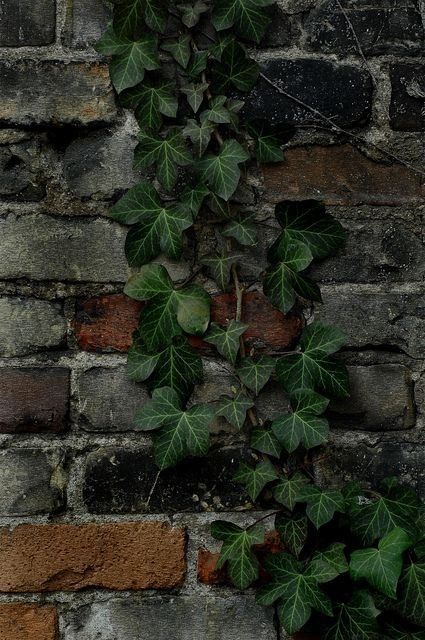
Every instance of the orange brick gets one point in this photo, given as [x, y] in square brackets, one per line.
[28, 622]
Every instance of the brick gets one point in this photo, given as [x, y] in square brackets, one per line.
[82, 250]
[182, 618]
[119, 480]
[31, 482]
[340, 175]
[29, 325]
[55, 93]
[392, 321]
[34, 400]
[87, 21]
[70, 557]
[107, 323]
[108, 400]
[21, 178]
[407, 97]
[364, 409]
[379, 29]
[28, 622]
[27, 23]
[341, 92]
[101, 164]
[278, 33]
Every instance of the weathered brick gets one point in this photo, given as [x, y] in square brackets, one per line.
[108, 399]
[341, 175]
[379, 29]
[33, 400]
[101, 164]
[20, 621]
[107, 323]
[365, 408]
[407, 97]
[31, 482]
[182, 618]
[340, 92]
[55, 93]
[83, 250]
[27, 22]
[376, 319]
[87, 21]
[21, 178]
[29, 325]
[278, 33]
[119, 480]
[69, 557]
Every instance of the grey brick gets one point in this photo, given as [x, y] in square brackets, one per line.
[28, 326]
[27, 22]
[181, 618]
[108, 399]
[87, 22]
[407, 97]
[21, 178]
[55, 93]
[31, 482]
[45, 247]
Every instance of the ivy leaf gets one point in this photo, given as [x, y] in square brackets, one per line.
[382, 567]
[308, 223]
[235, 69]
[199, 135]
[170, 310]
[395, 632]
[397, 506]
[268, 149]
[195, 94]
[356, 620]
[312, 368]
[193, 198]
[265, 441]
[129, 16]
[234, 409]
[321, 505]
[217, 112]
[254, 479]
[296, 590]
[220, 266]
[255, 373]
[168, 153]
[198, 64]
[293, 531]
[141, 363]
[226, 339]
[330, 563]
[242, 229]
[303, 426]
[412, 593]
[141, 200]
[179, 367]
[179, 49]
[246, 16]
[191, 13]
[237, 551]
[128, 68]
[222, 172]
[289, 492]
[151, 102]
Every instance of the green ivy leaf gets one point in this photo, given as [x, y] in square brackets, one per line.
[226, 339]
[235, 69]
[179, 367]
[245, 16]
[411, 602]
[220, 267]
[234, 409]
[237, 551]
[194, 93]
[382, 567]
[330, 563]
[199, 134]
[193, 198]
[293, 531]
[303, 426]
[130, 15]
[312, 368]
[254, 479]
[151, 102]
[128, 68]
[168, 153]
[191, 13]
[395, 632]
[217, 112]
[179, 49]
[265, 441]
[255, 373]
[268, 149]
[242, 229]
[289, 492]
[141, 363]
[198, 64]
[356, 620]
[222, 172]
[321, 505]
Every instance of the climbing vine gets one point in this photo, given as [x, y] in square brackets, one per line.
[353, 565]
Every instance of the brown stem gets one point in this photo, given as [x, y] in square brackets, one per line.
[268, 515]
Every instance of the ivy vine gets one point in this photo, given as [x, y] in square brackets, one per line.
[354, 561]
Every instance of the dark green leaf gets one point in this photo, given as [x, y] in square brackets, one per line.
[129, 16]
[356, 620]
[179, 49]
[195, 94]
[226, 339]
[168, 153]
[217, 112]
[222, 172]
[235, 69]
[194, 198]
[198, 64]
[321, 505]
[234, 409]
[242, 229]
[293, 532]
[179, 367]
[289, 492]
[254, 479]
[237, 551]
[246, 17]
[265, 441]
[396, 632]
[191, 13]
[255, 373]
[141, 363]
[411, 602]
[329, 563]
[220, 266]
[199, 134]
[268, 149]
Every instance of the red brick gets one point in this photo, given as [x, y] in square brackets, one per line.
[33, 400]
[341, 175]
[67, 557]
[28, 622]
[108, 322]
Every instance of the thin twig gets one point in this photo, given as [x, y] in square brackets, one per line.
[268, 515]
[359, 46]
[153, 488]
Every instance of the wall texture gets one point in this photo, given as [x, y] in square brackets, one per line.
[82, 553]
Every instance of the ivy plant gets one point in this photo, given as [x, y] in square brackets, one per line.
[353, 560]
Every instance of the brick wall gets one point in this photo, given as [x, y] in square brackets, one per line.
[82, 555]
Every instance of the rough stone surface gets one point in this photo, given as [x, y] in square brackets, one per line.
[381, 399]
[343, 92]
[87, 22]
[34, 400]
[189, 618]
[29, 325]
[31, 482]
[27, 22]
[55, 93]
[28, 622]
[67, 557]
[407, 97]
[108, 400]
[87, 250]
[21, 177]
